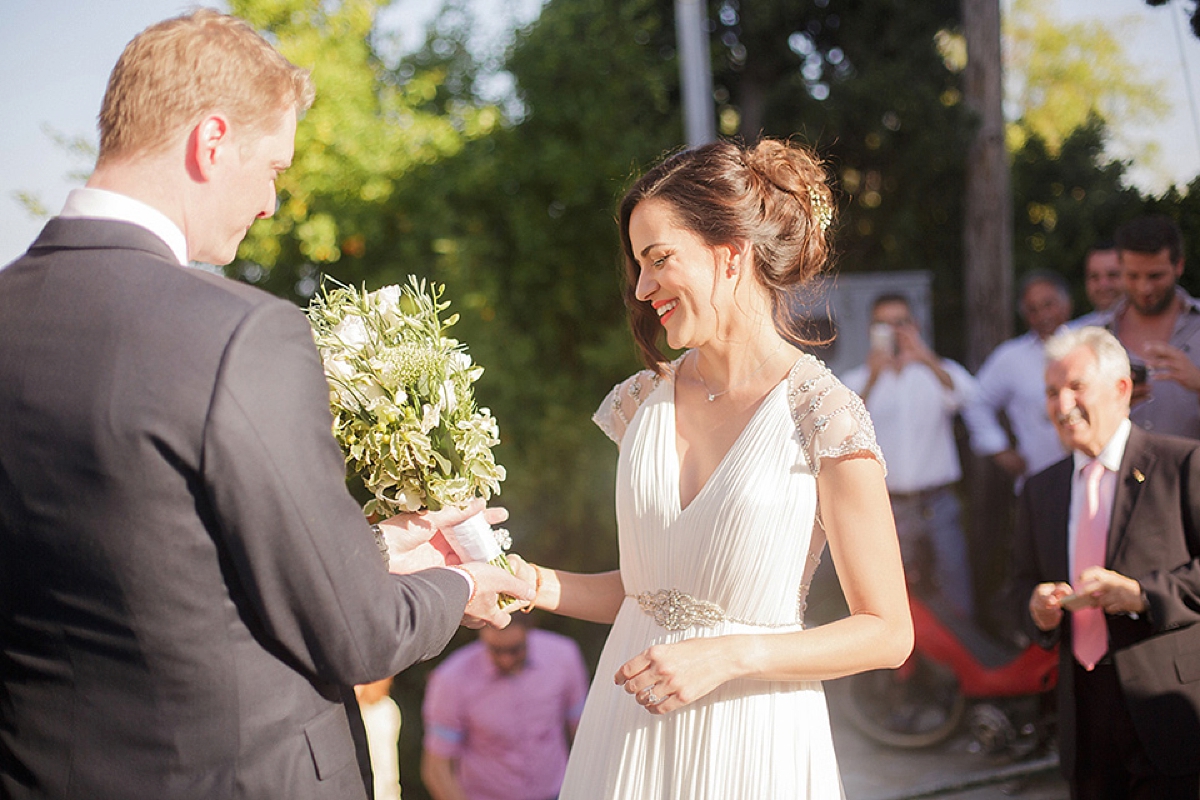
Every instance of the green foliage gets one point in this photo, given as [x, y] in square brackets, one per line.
[1060, 74]
[865, 82]
[1066, 201]
[364, 133]
[1195, 22]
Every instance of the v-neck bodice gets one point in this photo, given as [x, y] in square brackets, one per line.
[725, 457]
[752, 518]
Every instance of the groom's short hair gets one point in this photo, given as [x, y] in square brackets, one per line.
[176, 71]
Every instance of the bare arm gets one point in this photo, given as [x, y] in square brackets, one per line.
[877, 634]
[595, 597]
[437, 773]
[913, 348]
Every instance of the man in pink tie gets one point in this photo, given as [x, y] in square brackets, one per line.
[1107, 559]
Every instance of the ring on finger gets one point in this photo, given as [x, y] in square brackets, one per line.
[651, 699]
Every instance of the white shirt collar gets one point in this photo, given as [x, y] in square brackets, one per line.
[1112, 453]
[103, 204]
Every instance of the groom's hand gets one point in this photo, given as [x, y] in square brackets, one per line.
[483, 608]
[415, 540]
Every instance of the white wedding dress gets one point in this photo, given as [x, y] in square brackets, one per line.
[739, 558]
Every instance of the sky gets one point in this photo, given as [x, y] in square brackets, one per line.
[55, 56]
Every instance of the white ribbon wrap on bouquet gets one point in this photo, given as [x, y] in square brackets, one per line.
[473, 540]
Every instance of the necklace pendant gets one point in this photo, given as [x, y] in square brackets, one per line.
[713, 397]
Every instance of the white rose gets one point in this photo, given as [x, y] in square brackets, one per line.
[387, 302]
[429, 418]
[337, 367]
[352, 332]
[373, 394]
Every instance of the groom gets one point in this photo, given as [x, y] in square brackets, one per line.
[187, 590]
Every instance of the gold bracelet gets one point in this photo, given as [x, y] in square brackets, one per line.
[537, 587]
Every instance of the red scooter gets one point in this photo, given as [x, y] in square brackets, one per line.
[955, 668]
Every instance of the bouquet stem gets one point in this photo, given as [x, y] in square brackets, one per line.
[473, 540]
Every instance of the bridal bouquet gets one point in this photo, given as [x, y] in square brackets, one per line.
[403, 406]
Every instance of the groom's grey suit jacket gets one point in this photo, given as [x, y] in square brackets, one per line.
[186, 587]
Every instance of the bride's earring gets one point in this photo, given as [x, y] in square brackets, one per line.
[732, 270]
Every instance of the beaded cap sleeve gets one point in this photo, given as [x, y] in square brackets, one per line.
[624, 400]
[831, 420]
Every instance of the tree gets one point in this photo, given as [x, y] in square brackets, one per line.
[868, 84]
[1066, 201]
[365, 132]
[987, 224]
[1061, 74]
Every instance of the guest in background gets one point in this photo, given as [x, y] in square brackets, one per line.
[1107, 562]
[913, 396]
[1102, 283]
[381, 716]
[1011, 383]
[500, 715]
[1009, 428]
[1159, 325]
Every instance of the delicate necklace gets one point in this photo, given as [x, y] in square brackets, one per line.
[714, 395]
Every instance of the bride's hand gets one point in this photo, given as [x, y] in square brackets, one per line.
[669, 676]
[526, 572]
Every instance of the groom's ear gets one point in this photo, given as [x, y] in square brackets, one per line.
[210, 141]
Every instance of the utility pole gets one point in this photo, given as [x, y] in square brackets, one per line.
[695, 72]
[987, 241]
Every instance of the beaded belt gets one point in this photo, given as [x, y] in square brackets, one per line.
[677, 611]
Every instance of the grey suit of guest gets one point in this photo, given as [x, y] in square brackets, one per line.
[1154, 537]
[186, 587]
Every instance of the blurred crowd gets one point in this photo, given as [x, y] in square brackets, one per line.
[955, 440]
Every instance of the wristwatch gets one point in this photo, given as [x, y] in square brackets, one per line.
[381, 543]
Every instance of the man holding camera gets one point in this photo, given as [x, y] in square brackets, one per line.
[1159, 325]
[913, 396]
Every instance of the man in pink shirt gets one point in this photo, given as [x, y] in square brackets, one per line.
[500, 714]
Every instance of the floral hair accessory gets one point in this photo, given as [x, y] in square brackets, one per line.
[822, 209]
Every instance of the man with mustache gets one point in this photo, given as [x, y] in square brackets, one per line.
[1159, 324]
[1107, 564]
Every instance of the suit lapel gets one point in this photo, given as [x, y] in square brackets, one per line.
[1135, 466]
[1058, 514]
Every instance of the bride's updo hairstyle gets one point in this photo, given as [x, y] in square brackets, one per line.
[773, 195]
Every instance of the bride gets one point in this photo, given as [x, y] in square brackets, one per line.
[739, 461]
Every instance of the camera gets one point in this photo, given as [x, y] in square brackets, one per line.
[883, 338]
